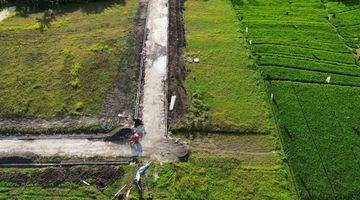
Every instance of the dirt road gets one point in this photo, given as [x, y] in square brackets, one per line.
[155, 65]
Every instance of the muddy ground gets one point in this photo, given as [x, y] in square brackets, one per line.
[117, 109]
[176, 67]
[99, 176]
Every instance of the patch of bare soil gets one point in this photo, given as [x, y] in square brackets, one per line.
[18, 178]
[358, 53]
[120, 99]
[250, 149]
[176, 68]
[101, 177]
[49, 178]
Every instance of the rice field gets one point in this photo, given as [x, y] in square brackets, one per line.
[306, 51]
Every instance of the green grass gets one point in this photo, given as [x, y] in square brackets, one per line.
[298, 44]
[69, 67]
[218, 169]
[230, 94]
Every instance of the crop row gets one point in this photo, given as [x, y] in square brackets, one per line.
[308, 64]
[334, 46]
[296, 75]
[346, 58]
[347, 23]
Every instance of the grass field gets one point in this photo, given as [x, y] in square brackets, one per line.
[65, 62]
[298, 46]
[224, 167]
[225, 94]
[63, 183]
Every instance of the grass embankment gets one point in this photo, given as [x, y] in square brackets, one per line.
[298, 45]
[225, 94]
[64, 61]
[64, 183]
[224, 167]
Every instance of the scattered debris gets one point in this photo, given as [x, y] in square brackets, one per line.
[118, 192]
[189, 60]
[141, 171]
[328, 79]
[86, 183]
[128, 194]
[172, 103]
[121, 114]
[156, 176]
[194, 59]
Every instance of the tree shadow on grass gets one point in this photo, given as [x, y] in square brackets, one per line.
[347, 2]
[88, 7]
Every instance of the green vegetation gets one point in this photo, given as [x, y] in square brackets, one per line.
[223, 167]
[63, 183]
[63, 61]
[306, 52]
[225, 94]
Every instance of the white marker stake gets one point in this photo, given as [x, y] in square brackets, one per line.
[328, 79]
[172, 103]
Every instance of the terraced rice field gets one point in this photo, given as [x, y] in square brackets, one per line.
[306, 50]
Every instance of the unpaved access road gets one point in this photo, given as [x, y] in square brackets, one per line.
[155, 145]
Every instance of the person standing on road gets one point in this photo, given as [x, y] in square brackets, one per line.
[139, 127]
[136, 148]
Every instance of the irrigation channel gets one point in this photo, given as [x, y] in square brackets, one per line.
[151, 103]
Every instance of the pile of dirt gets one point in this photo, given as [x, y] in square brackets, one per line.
[49, 178]
[18, 177]
[101, 177]
[176, 67]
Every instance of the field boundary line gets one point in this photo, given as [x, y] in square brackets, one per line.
[302, 47]
[312, 82]
[282, 55]
[313, 139]
[308, 69]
